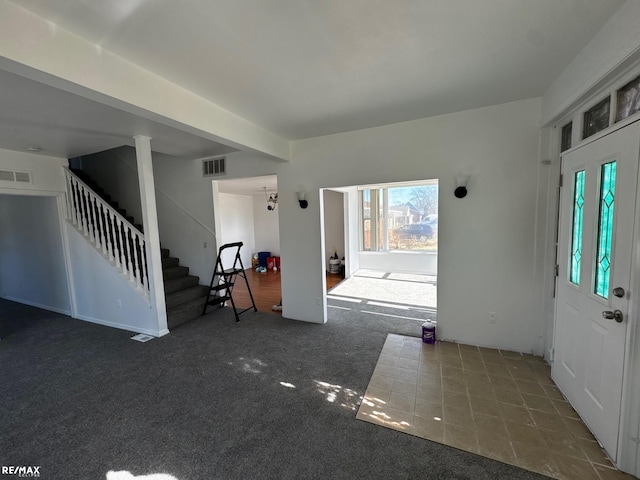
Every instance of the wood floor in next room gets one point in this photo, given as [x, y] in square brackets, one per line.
[266, 289]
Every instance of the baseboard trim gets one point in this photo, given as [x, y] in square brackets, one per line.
[122, 326]
[38, 305]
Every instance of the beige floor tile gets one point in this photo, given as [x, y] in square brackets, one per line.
[461, 437]
[409, 352]
[524, 434]
[408, 363]
[377, 395]
[404, 387]
[553, 392]
[488, 423]
[455, 399]
[578, 428]
[533, 388]
[431, 410]
[454, 384]
[508, 409]
[510, 396]
[564, 409]
[536, 402]
[485, 406]
[493, 359]
[405, 374]
[458, 416]
[499, 370]
[382, 382]
[502, 382]
[537, 459]
[467, 348]
[473, 366]
[495, 446]
[429, 368]
[399, 420]
[573, 468]
[387, 370]
[548, 421]
[612, 473]
[593, 452]
[566, 445]
[428, 428]
[429, 393]
[405, 403]
[385, 359]
[481, 391]
[515, 413]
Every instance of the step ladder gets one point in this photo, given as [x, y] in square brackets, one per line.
[223, 281]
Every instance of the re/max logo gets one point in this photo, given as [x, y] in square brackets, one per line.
[21, 471]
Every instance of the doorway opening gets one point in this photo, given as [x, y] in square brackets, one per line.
[246, 210]
[389, 236]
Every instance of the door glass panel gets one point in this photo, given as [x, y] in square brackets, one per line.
[628, 99]
[596, 118]
[605, 228]
[576, 234]
[565, 142]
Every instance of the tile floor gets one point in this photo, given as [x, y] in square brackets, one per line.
[499, 404]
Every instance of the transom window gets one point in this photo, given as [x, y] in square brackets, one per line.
[399, 217]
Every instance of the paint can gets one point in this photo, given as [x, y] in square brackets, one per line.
[429, 332]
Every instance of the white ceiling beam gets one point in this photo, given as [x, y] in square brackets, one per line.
[38, 49]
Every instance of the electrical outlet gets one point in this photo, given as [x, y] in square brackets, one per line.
[492, 317]
[205, 245]
[119, 303]
[318, 302]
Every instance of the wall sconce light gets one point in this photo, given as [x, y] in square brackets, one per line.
[301, 199]
[461, 186]
[272, 200]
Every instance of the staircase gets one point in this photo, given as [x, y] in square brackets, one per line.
[184, 296]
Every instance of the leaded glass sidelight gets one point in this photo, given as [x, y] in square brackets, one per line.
[576, 231]
[605, 229]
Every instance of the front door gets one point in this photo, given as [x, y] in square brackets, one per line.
[597, 212]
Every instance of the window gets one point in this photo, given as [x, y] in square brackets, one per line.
[402, 217]
[605, 229]
[576, 233]
[565, 141]
[628, 99]
[596, 118]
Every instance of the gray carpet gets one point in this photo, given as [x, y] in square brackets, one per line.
[266, 398]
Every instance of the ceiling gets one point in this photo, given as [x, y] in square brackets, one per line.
[300, 68]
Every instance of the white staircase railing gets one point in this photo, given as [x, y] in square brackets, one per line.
[108, 231]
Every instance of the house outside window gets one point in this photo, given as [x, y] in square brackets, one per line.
[406, 219]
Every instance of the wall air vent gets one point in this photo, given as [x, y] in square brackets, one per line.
[15, 176]
[214, 167]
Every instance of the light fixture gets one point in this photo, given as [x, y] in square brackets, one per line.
[272, 199]
[33, 148]
[301, 199]
[461, 186]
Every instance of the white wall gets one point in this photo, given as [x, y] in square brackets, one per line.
[236, 225]
[409, 262]
[333, 225]
[116, 172]
[616, 43]
[486, 240]
[32, 262]
[266, 225]
[47, 174]
[101, 294]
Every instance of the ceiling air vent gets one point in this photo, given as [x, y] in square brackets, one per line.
[15, 176]
[214, 167]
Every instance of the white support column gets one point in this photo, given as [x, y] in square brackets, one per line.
[151, 232]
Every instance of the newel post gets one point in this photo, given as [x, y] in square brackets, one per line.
[151, 231]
